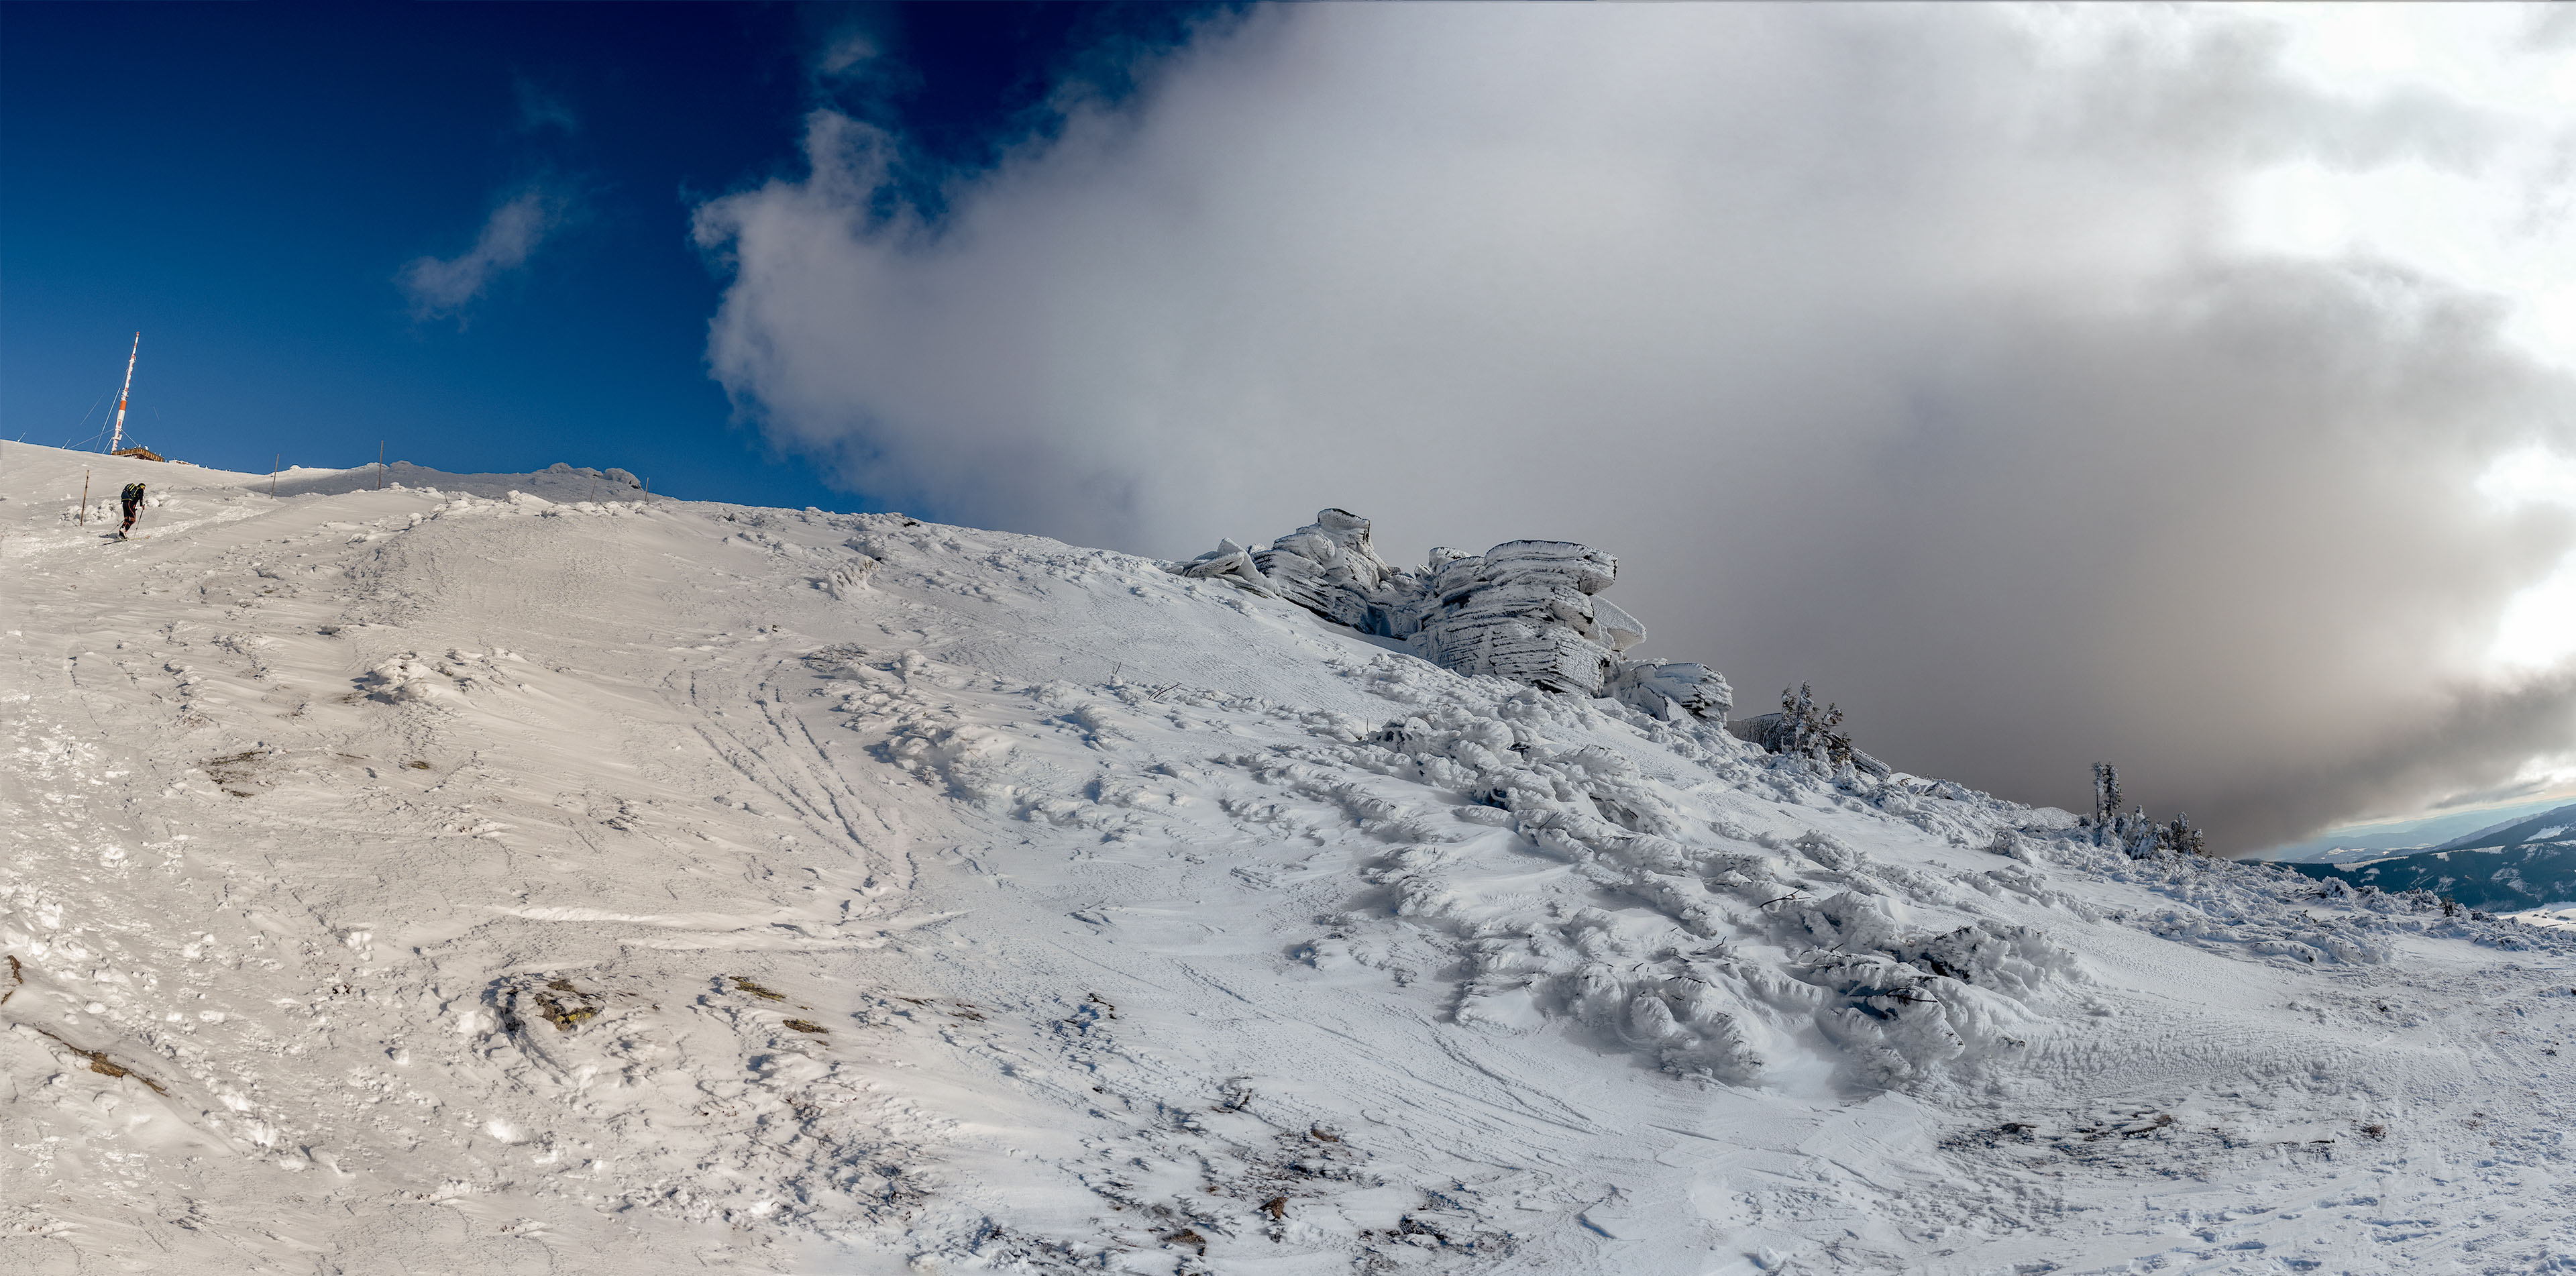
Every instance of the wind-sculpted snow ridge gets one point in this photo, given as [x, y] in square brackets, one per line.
[451, 880]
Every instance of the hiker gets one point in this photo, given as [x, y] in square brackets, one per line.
[133, 506]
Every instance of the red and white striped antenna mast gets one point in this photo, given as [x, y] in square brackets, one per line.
[117, 440]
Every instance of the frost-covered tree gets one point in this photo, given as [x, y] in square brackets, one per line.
[2132, 830]
[2180, 838]
[2138, 833]
[1808, 730]
[2106, 800]
[1804, 728]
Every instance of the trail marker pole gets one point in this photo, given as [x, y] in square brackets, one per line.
[84, 514]
[272, 475]
[117, 440]
[380, 465]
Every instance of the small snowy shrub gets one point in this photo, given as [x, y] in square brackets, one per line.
[2179, 837]
[1805, 729]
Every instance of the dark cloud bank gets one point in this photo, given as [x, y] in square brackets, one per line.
[1899, 349]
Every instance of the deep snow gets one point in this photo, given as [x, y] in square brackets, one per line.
[441, 879]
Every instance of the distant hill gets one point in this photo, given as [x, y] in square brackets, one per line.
[2525, 863]
[2535, 830]
[2404, 837]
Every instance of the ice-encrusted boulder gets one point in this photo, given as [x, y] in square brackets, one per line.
[1328, 567]
[1525, 610]
[1227, 562]
[1651, 685]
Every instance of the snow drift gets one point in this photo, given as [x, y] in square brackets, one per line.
[517, 873]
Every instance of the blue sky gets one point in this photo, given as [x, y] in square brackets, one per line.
[248, 184]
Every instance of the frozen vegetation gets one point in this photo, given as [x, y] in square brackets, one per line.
[517, 873]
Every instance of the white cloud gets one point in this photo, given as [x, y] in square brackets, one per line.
[2494, 211]
[1921, 351]
[2538, 627]
[445, 286]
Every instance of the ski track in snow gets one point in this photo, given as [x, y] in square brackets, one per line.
[441, 879]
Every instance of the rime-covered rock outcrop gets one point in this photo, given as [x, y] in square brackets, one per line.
[1525, 610]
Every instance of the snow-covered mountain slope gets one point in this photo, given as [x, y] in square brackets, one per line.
[425, 880]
